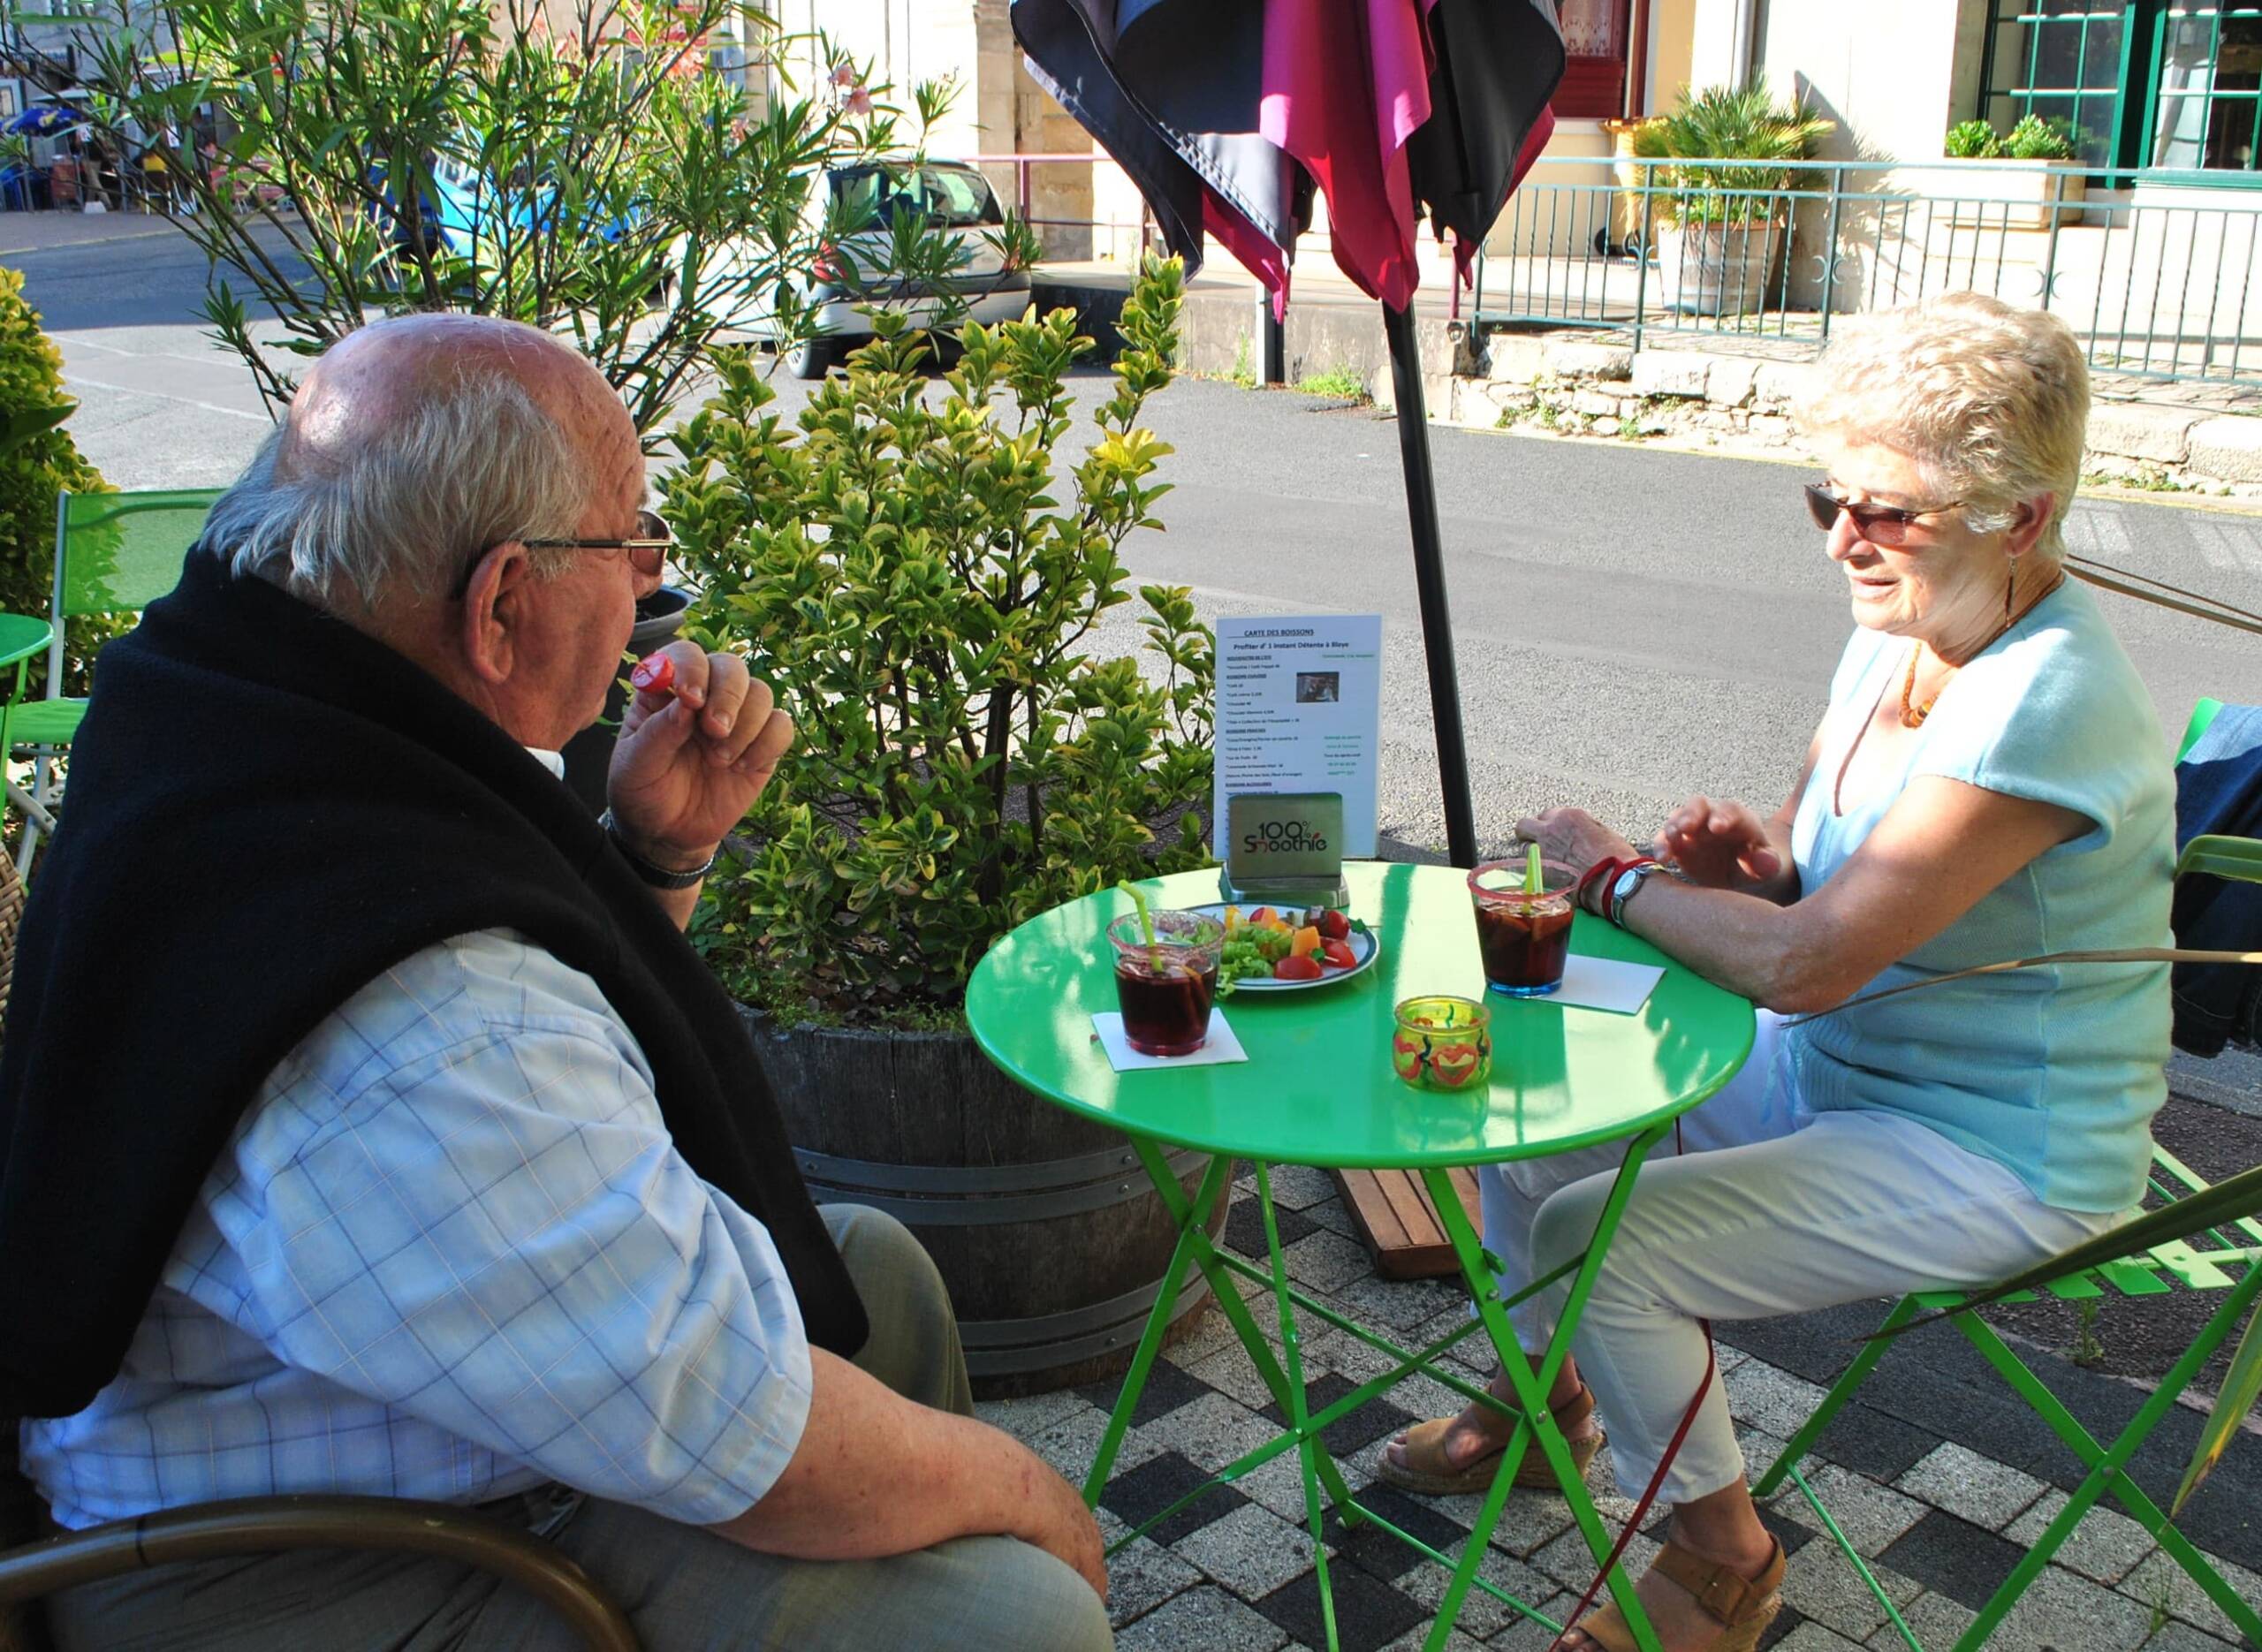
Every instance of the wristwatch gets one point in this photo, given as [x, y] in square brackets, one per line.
[1622, 888]
[655, 876]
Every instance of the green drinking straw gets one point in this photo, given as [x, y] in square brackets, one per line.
[1146, 924]
[1535, 881]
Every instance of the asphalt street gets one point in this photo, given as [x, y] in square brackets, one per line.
[1632, 624]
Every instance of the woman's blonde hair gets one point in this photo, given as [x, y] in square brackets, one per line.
[1990, 401]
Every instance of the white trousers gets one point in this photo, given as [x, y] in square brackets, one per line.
[1761, 1210]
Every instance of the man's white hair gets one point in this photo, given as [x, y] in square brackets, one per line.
[408, 507]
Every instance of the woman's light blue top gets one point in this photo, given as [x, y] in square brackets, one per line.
[2053, 1071]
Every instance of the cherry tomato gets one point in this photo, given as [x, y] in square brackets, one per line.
[1337, 953]
[1295, 969]
[1333, 925]
[655, 674]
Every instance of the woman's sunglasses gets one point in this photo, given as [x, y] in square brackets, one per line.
[1878, 524]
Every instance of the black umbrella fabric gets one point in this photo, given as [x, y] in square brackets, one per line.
[1229, 114]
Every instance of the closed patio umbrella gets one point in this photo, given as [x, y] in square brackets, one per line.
[1228, 115]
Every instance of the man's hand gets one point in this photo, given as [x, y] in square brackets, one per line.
[700, 740]
[1720, 845]
[1060, 1524]
[876, 1474]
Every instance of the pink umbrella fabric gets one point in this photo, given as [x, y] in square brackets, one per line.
[1345, 87]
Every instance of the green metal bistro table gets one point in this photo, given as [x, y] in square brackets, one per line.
[1317, 1089]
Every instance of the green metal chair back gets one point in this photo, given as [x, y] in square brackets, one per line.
[21, 637]
[2202, 715]
[117, 552]
[2228, 1260]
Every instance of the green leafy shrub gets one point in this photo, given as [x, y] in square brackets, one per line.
[2035, 138]
[917, 581]
[1719, 123]
[1972, 141]
[37, 457]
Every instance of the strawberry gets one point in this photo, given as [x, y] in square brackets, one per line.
[1333, 925]
[1339, 953]
[1295, 969]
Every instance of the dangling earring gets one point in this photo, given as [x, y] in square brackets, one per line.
[2010, 578]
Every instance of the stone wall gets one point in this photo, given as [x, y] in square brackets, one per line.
[1598, 385]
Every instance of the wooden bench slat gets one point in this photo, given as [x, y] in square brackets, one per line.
[1400, 1226]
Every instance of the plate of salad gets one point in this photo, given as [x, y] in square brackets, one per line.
[1270, 948]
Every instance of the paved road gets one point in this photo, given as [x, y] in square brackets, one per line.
[1632, 624]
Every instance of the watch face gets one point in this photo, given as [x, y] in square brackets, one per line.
[1628, 881]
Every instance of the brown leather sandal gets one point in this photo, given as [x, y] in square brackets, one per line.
[1428, 1471]
[1743, 1607]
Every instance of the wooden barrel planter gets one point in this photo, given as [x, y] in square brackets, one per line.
[1046, 1230]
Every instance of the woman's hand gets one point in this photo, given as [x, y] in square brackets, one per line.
[1573, 837]
[700, 740]
[1719, 845]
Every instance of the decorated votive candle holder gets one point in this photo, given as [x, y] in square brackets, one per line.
[1443, 1043]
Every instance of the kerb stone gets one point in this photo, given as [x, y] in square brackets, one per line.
[1515, 358]
[1575, 358]
[1777, 385]
[2162, 435]
[2229, 448]
[1670, 373]
[1729, 382]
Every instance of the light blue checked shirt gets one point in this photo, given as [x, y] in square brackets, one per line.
[451, 1253]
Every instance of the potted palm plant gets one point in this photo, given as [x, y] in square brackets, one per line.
[982, 735]
[1719, 228]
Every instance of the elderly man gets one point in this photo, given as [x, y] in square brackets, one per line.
[370, 1126]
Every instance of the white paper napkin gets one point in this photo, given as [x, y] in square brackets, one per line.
[1606, 983]
[1223, 1045]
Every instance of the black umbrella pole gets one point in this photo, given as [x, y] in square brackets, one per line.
[1429, 584]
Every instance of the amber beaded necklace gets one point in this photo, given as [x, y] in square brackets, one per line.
[1913, 716]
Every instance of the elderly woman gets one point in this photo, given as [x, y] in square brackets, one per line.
[1988, 782]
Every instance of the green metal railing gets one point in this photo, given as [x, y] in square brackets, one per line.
[2161, 292]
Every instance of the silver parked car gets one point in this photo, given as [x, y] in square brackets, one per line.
[951, 196]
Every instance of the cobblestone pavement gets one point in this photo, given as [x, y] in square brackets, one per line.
[1939, 1478]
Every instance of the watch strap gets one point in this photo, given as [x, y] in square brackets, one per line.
[1628, 884]
[657, 877]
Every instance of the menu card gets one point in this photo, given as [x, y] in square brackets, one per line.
[1300, 709]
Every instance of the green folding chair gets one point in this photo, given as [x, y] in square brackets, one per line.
[21, 637]
[115, 553]
[2154, 1271]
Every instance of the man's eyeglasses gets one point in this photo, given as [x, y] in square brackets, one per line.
[1880, 524]
[648, 549]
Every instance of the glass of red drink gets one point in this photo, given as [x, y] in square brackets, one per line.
[1166, 990]
[1524, 937]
